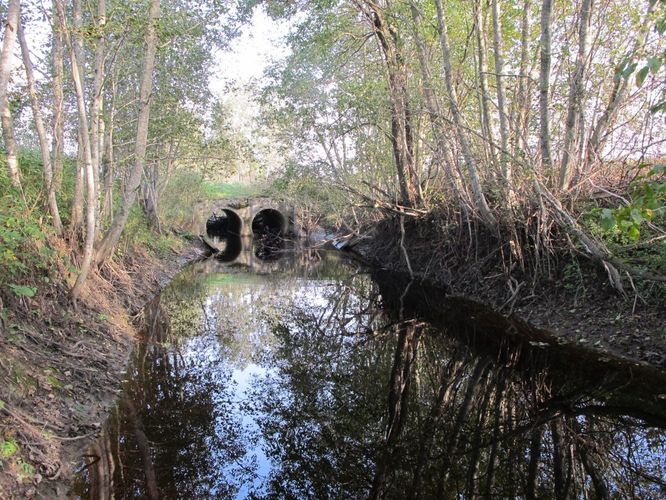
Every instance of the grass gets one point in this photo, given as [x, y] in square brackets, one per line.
[215, 190]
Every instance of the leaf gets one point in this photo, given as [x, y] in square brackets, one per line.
[636, 216]
[661, 25]
[654, 63]
[634, 233]
[629, 69]
[8, 448]
[660, 168]
[607, 219]
[23, 291]
[641, 75]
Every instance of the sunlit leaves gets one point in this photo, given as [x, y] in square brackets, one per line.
[648, 202]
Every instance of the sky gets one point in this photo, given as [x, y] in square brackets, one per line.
[250, 53]
[239, 72]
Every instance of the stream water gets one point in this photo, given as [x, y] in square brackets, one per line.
[305, 375]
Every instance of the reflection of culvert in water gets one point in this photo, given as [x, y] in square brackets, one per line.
[232, 249]
[269, 222]
[228, 223]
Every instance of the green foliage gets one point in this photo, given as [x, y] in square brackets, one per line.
[24, 224]
[230, 190]
[22, 290]
[25, 470]
[139, 234]
[181, 194]
[8, 448]
[648, 201]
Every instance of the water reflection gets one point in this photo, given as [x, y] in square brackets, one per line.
[320, 381]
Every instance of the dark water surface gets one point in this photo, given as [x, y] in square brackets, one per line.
[309, 377]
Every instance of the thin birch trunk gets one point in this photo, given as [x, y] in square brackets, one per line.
[432, 103]
[76, 210]
[87, 159]
[11, 148]
[75, 46]
[501, 97]
[482, 50]
[112, 237]
[108, 158]
[96, 105]
[108, 164]
[576, 90]
[544, 86]
[52, 203]
[58, 75]
[481, 204]
[521, 104]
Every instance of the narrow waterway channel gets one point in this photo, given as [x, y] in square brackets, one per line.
[308, 376]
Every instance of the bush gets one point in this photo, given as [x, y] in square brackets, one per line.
[24, 224]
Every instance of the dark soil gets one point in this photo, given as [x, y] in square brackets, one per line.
[572, 297]
[61, 368]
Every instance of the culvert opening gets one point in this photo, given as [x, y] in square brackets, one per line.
[226, 224]
[268, 223]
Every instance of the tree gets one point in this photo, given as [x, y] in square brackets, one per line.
[461, 133]
[110, 240]
[88, 246]
[13, 11]
[544, 85]
[52, 203]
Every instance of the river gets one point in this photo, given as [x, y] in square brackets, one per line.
[305, 375]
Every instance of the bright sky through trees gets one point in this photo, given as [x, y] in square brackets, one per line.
[250, 53]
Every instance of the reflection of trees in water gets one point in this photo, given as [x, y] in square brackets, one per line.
[408, 412]
[172, 429]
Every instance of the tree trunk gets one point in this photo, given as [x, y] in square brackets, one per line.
[52, 203]
[149, 194]
[76, 47]
[576, 90]
[96, 105]
[13, 11]
[76, 218]
[521, 103]
[87, 160]
[486, 117]
[501, 98]
[402, 140]
[544, 86]
[111, 238]
[481, 204]
[108, 158]
[58, 73]
[432, 104]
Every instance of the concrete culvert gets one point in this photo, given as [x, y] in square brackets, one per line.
[228, 223]
[269, 222]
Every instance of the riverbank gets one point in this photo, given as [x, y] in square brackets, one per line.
[570, 296]
[61, 367]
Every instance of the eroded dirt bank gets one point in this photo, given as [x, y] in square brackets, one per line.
[61, 367]
[572, 297]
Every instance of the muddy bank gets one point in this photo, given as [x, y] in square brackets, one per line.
[61, 367]
[572, 296]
